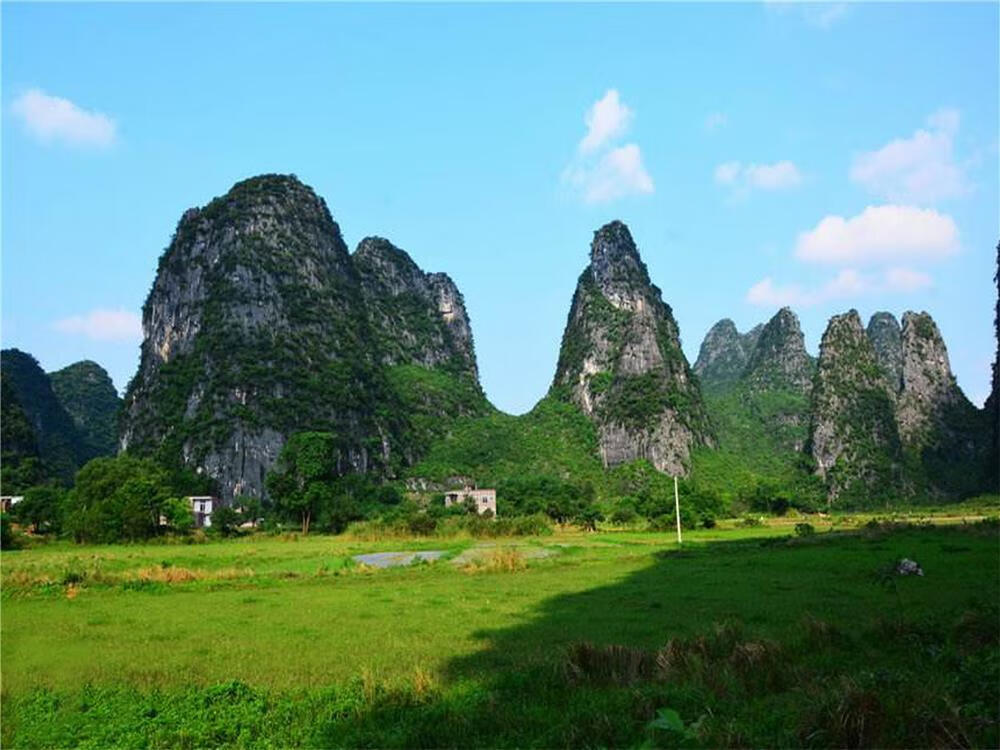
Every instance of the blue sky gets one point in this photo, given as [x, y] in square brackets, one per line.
[824, 156]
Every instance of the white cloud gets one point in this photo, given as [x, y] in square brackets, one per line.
[781, 175]
[600, 171]
[619, 173]
[880, 234]
[848, 283]
[918, 169]
[52, 118]
[103, 325]
[606, 120]
[715, 120]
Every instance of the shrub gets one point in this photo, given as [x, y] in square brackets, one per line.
[663, 522]
[498, 560]
[804, 529]
[589, 518]
[422, 524]
[623, 516]
[708, 521]
[749, 521]
[7, 539]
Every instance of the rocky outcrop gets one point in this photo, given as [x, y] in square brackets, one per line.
[254, 329]
[621, 361]
[261, 324]
[853, 434]
[722, 356]
[927, 388]
[87, 394]
[419, 318]
[937, 424]
[779, 359]
[886, 337]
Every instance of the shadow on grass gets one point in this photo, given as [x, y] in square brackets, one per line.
[780, 642]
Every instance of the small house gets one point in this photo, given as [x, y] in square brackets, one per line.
[7, 502]
[202, 507]
[483, 500]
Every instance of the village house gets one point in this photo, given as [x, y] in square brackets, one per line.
[484, 500]
[9, 501]
[202, 506]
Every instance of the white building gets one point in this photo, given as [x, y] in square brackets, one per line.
[9, 501]
[484, 500]
[202, 506]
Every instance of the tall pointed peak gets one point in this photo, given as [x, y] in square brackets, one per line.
[722, 356]
[779, 357]
[614, 258]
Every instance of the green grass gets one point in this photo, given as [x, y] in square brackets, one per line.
[310, 650]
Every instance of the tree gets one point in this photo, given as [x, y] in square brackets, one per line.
[250, 508]
[225, 520]
[41, 508]
[115, 499]
[588, 518]
[307, 461]
[178, 513]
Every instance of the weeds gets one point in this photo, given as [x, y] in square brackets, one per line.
[497, 560]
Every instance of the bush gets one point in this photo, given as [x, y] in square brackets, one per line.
[663, 522]
[749, 521]
[804, 529]
[422, 524]
[589, 518]
[623, 516]
[7, 540]
[708, 521]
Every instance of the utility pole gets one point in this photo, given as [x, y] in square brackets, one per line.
[677, 510]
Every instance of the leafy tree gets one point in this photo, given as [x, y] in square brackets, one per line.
[116, 499]
[307, 462]
[588, 518]
[226, 520]
[178, 513]
[41, 508]
[251, 508]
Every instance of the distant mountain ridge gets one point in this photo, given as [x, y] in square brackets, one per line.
[878, 413]
[261, 323]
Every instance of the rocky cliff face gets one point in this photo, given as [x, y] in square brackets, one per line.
[779, 359]
[886, 337]
[853, 434]
[86, 392]
[621, 361]
[419, 318]
[927, 388]
[260, 324]
[937, 423]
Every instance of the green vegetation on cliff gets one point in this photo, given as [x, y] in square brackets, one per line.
[59, 446]
[86, 392]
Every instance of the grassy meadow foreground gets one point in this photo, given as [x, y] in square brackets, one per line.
[745, 635]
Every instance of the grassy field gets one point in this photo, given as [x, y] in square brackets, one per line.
[752, 635]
